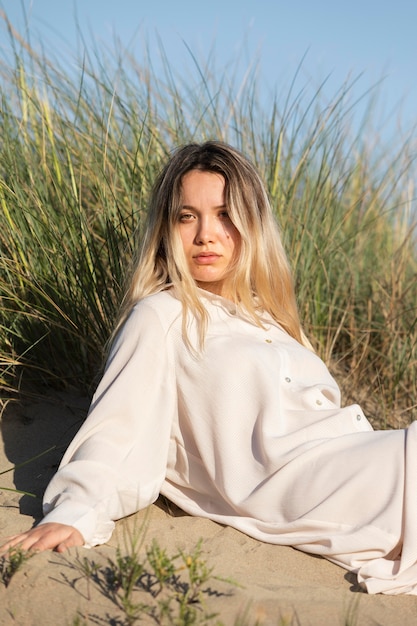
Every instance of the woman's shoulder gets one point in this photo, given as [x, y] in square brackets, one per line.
[163, 304]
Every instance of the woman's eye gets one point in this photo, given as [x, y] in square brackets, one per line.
[185, 217]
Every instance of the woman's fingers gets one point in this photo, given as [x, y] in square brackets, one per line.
[50, 536]
[23, 540]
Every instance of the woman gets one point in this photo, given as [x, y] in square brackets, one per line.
[213, 397]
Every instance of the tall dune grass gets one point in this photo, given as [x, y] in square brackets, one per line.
[80, 145]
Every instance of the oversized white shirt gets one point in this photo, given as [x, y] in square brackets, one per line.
[250, 433]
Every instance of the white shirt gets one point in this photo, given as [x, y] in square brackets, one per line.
[248, 433]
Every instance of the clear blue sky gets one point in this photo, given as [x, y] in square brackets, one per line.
[375, 38]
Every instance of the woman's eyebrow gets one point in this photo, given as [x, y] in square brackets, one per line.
[190, 206]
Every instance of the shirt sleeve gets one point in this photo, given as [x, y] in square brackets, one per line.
[117, 462]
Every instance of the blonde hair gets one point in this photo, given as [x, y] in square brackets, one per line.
[261, 279]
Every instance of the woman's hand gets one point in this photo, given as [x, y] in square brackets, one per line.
[49, 536]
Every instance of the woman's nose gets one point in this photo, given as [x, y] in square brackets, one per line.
[206, 231]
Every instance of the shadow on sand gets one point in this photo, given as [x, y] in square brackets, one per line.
[35, 436]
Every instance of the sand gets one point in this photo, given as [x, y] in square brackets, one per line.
[277, 583]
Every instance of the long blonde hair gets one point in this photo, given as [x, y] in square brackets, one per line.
[261, 280]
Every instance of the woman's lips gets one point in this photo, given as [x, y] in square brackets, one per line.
[205, 258]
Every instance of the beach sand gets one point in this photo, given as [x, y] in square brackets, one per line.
[275, 583]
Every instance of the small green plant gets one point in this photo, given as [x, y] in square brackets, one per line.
[12, 562]
[161, 564]
[123, 575]
[191, 594]
[169, 589]
[79, 621]
[183, 577]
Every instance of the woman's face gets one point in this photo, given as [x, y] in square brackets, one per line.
[210, 240]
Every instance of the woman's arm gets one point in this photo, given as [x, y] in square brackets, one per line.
[117, 462]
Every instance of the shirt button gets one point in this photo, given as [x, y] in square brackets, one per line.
[319, 402]
[359, 417]
[287, 379]
[268, 340]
